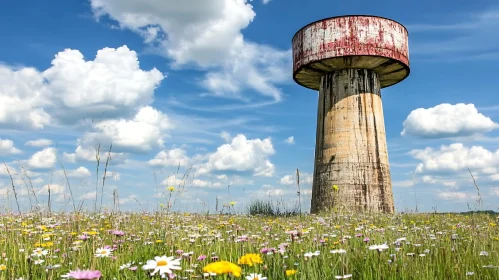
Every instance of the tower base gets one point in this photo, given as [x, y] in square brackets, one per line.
[351, 170]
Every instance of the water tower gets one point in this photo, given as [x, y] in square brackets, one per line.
[348, 59]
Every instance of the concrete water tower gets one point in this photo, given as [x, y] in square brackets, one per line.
[348, 59]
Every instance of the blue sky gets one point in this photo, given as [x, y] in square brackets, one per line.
[208, 84]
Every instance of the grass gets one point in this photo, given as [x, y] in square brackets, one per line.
[270, 209]
[282, 243]
[435, 246]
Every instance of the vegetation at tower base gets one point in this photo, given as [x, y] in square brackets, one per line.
[269, 208]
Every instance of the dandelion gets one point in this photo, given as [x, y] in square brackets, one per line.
[162, 264]
[3, 267]
[291, 272]
[223, 267]
[171, 188]
[250, 259]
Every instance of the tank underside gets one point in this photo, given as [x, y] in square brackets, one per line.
[351, 169]
[389, 71]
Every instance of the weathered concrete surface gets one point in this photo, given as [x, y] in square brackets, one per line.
[354, 42]
[351, 149]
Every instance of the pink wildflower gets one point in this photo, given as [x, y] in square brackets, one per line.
[83, 274]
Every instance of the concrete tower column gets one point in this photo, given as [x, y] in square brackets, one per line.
[351, 150]
[349, 59]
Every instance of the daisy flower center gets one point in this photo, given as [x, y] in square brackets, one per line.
[103, 252]
[161, 263]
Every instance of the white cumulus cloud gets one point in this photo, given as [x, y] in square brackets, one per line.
[206, 184]
[456, 196]
[43, 159]
[225, 135]
[447, 120]
[39, 143]
[80, 172]
[455, 157]
[174, 157]
[290, 140]
[447, 167]
[242, 155]
[208, 35]
[7, 147]
[305, 179]
[90, 153]
[54, 189]
[73, 88]
[142, 133]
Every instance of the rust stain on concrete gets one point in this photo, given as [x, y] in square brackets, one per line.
[355, 42]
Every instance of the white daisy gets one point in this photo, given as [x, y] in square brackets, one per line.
[339, 251]
[312, 254]
[378, 247]
[103, 252]
[254, 276]
[163, 265]
[346, 276]
[39, 252]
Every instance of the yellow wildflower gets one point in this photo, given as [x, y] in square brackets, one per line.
[250, 259]
[290, 272]
[223, 267]
[47, 244]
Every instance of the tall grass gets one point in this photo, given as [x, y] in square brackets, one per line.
[272, 209]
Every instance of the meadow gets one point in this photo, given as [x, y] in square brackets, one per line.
[121, 245]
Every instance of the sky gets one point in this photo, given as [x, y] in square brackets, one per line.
[199, 95]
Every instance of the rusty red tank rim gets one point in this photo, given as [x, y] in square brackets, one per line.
[343, 16]
[407, 67]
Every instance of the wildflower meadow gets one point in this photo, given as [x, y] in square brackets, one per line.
[163, 244]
